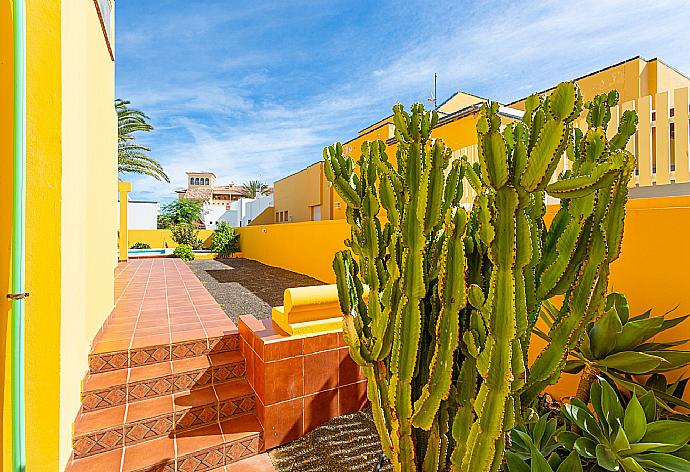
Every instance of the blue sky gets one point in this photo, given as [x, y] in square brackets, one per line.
[256, 89]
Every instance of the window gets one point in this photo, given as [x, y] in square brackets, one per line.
[191, 181]
[196, 181]
[206, 181]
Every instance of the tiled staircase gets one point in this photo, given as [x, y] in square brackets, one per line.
[166, 388]
[186, 412]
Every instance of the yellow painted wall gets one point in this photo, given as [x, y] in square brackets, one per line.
[6, 134]
[458, 133]
[70, 241]
[160, 238]
[653, 270]
[633, 79]
[89, 227]
[43, 229]
[299, 191]
[307, 248]
[458, 101]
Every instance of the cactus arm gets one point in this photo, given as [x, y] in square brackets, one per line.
[565, 246]
[626, 129]
[377, 392]
[467, 390]
[495, 390]
[579, 308]
[615, 219]
[451, 287]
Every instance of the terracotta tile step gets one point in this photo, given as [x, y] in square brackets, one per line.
[100, 431]
[106, 361]
[204, 449]
[117, 387]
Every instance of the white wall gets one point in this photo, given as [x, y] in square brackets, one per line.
[142, 215]
[244, 210]
[254, 207]
[212, 214]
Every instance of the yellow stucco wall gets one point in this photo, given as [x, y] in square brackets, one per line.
[89, 227]
[70, 236]
[653, 270]
[300, 191]
[160, 238]
[633, 79]
[6, 133]
[43, 229]
[306, 247]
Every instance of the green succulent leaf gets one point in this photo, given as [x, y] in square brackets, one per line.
[635, 423]
[606, 458]
[632, 362]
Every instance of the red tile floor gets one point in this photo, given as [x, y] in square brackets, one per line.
[173, 386]
[166, 387]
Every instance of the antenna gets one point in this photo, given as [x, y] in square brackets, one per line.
[433, 98]
[435, 104]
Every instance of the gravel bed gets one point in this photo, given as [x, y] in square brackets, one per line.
[345, 443]
[242, 286]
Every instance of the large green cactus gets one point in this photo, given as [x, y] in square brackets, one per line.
[439, 304]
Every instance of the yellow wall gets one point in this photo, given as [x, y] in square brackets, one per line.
[70, 235]
[6, 134]
[306, 248]
[653, 270]
[633, 79]
[43, 229]
[160, 238]
[300, 191]
[89, 228]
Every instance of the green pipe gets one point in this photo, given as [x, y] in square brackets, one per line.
[18, 223]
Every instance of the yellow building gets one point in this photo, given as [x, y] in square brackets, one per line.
[70, 237]
[636, 79]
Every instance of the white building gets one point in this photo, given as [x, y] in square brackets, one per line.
[244, 210]
[141, 214]
[222, 202]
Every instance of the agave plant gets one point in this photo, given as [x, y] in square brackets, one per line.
[619, 347]
[628, 437]
[536, 461]
[540, 435]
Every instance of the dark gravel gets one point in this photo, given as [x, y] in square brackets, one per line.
[243, 287]
[345, 443]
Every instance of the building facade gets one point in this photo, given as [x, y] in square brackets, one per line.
[307, 196]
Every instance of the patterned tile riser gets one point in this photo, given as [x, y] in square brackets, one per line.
[218, 456]
[109, 361]
[210, 458]
[152, 428]
[120, 394]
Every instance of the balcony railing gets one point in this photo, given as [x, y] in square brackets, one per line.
[660, 144]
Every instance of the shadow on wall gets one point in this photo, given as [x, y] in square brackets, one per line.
[266, 282]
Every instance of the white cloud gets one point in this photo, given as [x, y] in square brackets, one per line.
[503, 50]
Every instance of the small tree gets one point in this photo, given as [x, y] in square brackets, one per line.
[180, 211]
[225, 240]
[186, 234]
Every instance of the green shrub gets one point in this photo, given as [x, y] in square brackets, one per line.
[184, 252]
[186, 233]
[225, 240]
[140, 246]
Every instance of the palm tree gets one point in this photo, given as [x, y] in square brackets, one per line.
[254, 188]
[133, 157]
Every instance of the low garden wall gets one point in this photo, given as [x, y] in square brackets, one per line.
[161, 238]
[653, 270]
[306, 247]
